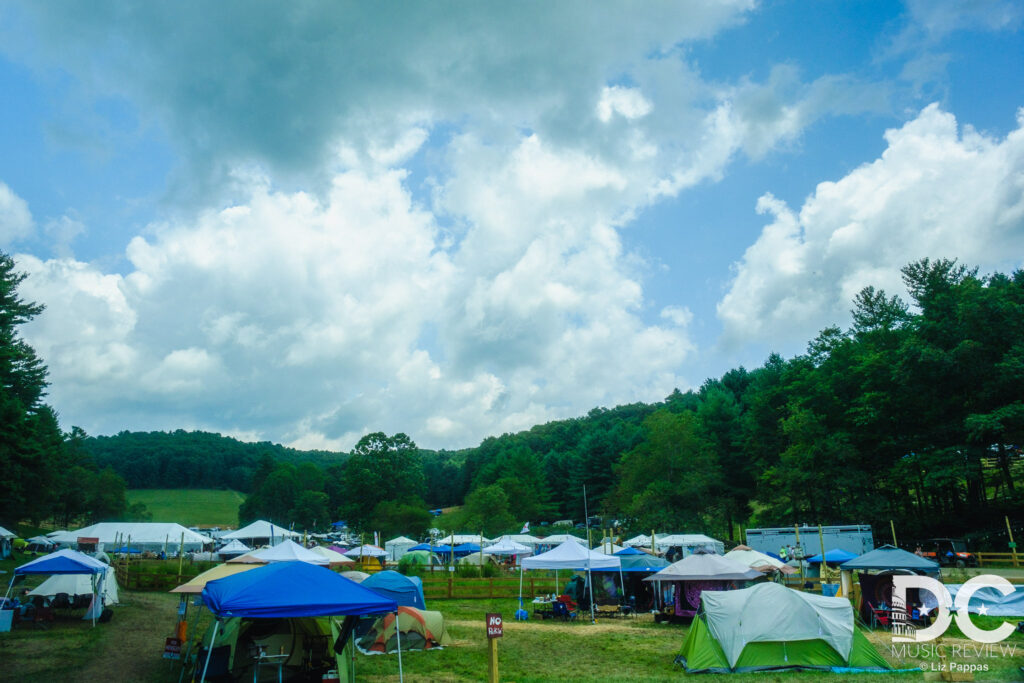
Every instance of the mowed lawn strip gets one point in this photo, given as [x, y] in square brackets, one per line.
[190, 507]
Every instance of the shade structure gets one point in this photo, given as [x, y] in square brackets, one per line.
[572, 555]
[153, 536]
[459, 539]
[705, 568]
[64, 561]
[78, 584]
[233, 549]
[288, 551]
[609, 549]
[641, 562]
[833, 556]
[196, 584]
[466, 548]
[758, 560]
[334, 558]
[405, 590]
[890, 557]
[261, 530]
[291, 589]
[366, 551]
[355, 575]
[558, 539]
[629, 550]
[506, 546]
[4, 533]
[397, 547]
[690, 543]
[639, 540]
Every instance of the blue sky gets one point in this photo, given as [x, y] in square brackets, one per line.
[305, 223]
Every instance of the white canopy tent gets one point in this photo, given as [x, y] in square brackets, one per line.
[690, 543]
[506, 546]
[458, 539]
[233, 549]
[288, 551]
[366, 551]
[4, 533]
[78, 584]
[334, 558]
[573, 556]
[705, 568]
[262, 531]
[397, 547]
[151, 536]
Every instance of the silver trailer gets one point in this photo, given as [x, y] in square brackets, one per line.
[854, 538]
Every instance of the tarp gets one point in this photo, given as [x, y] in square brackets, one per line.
[78, 584]
[629, 550]
[640, 562]
[833, 556]
[261, 529]
[196, 584]
[758, 560]
[705, 568]
[995, 603]
[291, 589]
[890, 557]
[405, 590]
[288, 551]
[41, 540]
[64, 561]
[144, 535]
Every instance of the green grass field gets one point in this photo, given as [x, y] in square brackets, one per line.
[190, 507]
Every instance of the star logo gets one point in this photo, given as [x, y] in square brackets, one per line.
[983, 611]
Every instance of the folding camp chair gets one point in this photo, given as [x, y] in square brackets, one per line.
[560, 610]
[879, 617]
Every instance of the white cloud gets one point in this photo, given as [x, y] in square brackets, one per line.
[15, 218]
[627, 102]
[935, 192]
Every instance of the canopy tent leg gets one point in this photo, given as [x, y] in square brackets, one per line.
[590, 580]
[398, 639]
[520, 586]
[209, 650]
[9, 587]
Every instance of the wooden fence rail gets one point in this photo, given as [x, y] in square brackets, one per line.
[989, 559]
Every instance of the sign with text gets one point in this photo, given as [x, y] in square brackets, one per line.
[494, 625]
[172, 648]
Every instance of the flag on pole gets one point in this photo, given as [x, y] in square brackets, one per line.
[376, 538]
[525, 529]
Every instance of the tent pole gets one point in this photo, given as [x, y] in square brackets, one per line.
[398, 638]
[11, 585]
[520, 586]
[209, 650]
[590, 580]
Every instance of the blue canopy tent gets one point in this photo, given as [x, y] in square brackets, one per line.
[464, 549]
[405, 590]
[68, 561]
[290, 590]
[833, 556]
[629, 550]
[890, 557]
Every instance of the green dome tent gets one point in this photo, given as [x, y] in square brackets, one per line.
[769, 626]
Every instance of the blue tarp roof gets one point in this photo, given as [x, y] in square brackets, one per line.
[467, 548]
[639, 562]
[833, 556]
[890, 557]
[292, 589]
[65, 561]
[405, 590]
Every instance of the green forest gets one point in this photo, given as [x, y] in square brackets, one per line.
[914, 414]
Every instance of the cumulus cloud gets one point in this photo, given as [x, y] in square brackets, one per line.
[15, 218]
[936, 191]
[313, 321]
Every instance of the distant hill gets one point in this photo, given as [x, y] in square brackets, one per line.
[192, 460]
[190, 507]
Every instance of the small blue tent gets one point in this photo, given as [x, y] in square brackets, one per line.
[405, 590]
[291, 589]
[833, 556]
[629, 550]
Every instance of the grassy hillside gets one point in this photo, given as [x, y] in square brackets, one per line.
[190, 507]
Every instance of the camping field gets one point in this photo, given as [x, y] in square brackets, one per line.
[190, 507]
[129, 649]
